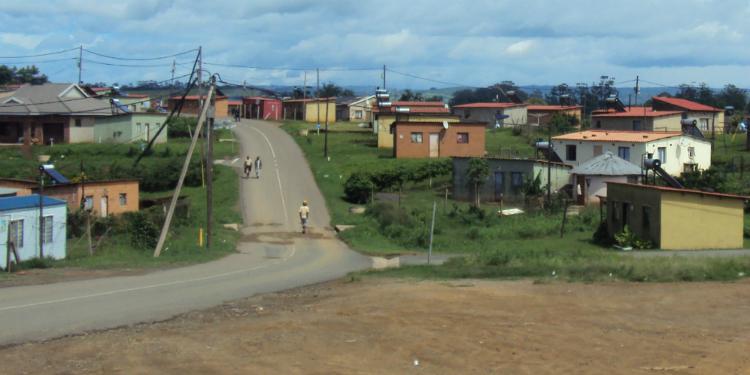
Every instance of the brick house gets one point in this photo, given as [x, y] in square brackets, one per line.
[707, 117]
[413, 139]
[103, 198]
[493, 114]
[637, 119]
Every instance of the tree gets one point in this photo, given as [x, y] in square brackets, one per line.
[6, 75]
[411, 96]
[732, 95]
[603, 90]
[329, 90]
[477, 174]
[561, 90]
[701, 94]
[27, 74]
[495, 93]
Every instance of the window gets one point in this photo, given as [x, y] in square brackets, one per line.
[570, 152]
[88, 202]
[690, 167]
[662, 154]
[462, 138]
[704, 124]
[123, 199]
[598, 124]
[516, 180]
[15, 231]
[78, 123]
[624, 152]
[416, 137]
[47, 229]
[691, 152]
[597, 150]
[646, 220]
[467, 113]
[358, 114]
[637, 125]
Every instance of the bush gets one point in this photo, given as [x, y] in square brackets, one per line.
[39, 263]
[388, 214]
[601, 236]
[144, 233]
[358, 187]
[178, 127]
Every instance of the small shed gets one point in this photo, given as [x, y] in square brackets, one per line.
[20, 224]
[590, 178]
[676, 219]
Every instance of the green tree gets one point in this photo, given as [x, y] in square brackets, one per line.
[330, 89]
[411, 96]
[477, 174]
[732, 95]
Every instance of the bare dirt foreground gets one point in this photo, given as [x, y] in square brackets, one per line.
[431, 327]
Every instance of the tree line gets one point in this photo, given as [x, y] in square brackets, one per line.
[10, 75]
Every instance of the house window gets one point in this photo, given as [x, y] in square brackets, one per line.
[598, 124]
[416, 137]
[646, 219]
[47, 229]
[662, 154]
[78, 123]
[690, 167]
[691, 152]
[467, 113]
[624, 152]
[570, 152]
[597, 150]
[358, 114]
[462, 138]
[637, 125]
[15, 231]
[516, 180]
[88, 202]
[704, 124]
[123, 199]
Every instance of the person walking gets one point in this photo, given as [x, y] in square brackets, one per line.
[304, 215]
[258, 167]
[248, 166]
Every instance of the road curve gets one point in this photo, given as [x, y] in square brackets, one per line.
[272, 256]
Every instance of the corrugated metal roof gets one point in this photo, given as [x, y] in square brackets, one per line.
[53, 99]
[687, 105]
[490, 105]
[616, 136]
[607, 164]
[27, 201]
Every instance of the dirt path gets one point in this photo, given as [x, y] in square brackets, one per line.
[395, 326]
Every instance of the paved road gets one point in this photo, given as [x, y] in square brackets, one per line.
[271, 257]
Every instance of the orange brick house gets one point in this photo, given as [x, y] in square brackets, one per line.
[192, 105]
[103, 198]
[438, 139]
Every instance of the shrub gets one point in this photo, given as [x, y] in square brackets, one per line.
[601, 236]
[388, 214]
[178, 127]
[358, 187]
[143, 233]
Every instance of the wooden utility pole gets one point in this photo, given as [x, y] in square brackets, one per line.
[304, 95]
[41, 211]
[383, 76]
[80, 63]
[210, 164]
[317, 94]
[325, 142]
[181, 180]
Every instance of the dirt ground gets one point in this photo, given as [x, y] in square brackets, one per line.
[383, 326]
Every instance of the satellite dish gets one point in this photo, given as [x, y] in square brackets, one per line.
[445, 125]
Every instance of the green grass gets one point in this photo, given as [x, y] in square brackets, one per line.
[181, 246]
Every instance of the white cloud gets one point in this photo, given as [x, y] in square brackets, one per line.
[21, 40]
[520, 48]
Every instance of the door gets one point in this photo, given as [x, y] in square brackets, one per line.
[580, 190]
[103, 207]
[499, 185]
[54, 132]
[434, 145]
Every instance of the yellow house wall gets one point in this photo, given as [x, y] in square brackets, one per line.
[667, 123]
[720, 221]
[311, 112]
[384, 122]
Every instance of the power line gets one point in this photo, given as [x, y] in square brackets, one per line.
[38, 62]
[141, 58]
[165, 65]
[333, 69]
[432, 80]
[40, 54]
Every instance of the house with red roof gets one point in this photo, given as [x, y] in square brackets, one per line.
[405, 111]
[706, 117]
[495, 115]
[540, 115]
[637, 119]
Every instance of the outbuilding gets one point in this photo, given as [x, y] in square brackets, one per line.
[590, 178]
[262, 108]
[20, 226]
[494, 115]
[676, 219]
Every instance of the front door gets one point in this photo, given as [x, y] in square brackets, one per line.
[434, 145]
[499, 185]
[580, 190]
[103, 207]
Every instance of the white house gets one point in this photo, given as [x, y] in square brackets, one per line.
[19, 224]
[678, 152]
[590, 178]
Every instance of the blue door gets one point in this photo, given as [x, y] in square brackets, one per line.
[499, 185]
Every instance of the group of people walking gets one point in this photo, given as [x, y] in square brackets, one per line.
[304, 210]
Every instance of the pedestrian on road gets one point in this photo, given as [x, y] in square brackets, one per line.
[304, 215]
[258, 167]
[248, 166]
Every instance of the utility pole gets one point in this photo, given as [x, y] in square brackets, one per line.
[304, 95]
[637, 89]
[325, 142]
[181, 180]
[173, 68]
[41, 211]
[200, 77]
[210, 164]
[384, 76]
[317, 94]
[549, 164]
[80, 63]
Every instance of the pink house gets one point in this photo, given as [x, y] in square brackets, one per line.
[262, 108]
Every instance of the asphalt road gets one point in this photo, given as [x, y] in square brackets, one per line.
[272, 256]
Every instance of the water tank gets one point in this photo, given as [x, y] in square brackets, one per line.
[652, 163]
[689, 122]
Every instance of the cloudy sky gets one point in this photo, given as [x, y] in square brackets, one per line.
[473, 42]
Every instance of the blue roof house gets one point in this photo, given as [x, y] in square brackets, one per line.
[20, 224]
